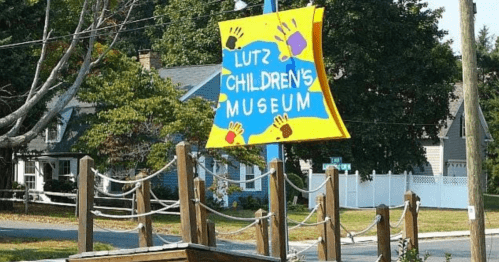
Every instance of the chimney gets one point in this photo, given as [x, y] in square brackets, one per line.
[149, 59]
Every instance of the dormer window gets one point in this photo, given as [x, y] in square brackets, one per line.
[55, 131]
[52, 133]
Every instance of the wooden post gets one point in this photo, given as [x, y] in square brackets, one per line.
[186, 193]
[134, 198]
[262, 233]
[26, 198]
[383, 228]
[472, 122]
[86, 202]
[321, 216]
[277, 207]
[333, 241]
[144, 206]
[212, 235]
[411, 221]
[201, 212]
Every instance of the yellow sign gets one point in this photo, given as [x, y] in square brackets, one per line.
[274, 86]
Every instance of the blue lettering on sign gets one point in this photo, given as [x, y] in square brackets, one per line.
[261, 86]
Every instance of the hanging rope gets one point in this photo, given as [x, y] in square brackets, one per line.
[377, 219]
[118, 195]
[399, 206]
[271, 171]
[166, 241]
[98, 213]
[302, 223]
[326, 220]
[302, 190]
[227, 216]
[418, 204]
[138, 180]
[139, 226]
[401, 217]
[159, 200]
[379, 258]
[295, 254]
[239, 230]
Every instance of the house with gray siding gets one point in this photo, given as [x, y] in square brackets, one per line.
[447, 156]
[48, 156]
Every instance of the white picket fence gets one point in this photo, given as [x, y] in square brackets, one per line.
[389, 189]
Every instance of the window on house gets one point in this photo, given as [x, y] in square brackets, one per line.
[250, 174]
[52, 134]
[64, 170]
[29, 167]
[462, 131]
[29, 181]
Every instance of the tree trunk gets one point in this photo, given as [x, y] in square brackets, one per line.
[6, 167]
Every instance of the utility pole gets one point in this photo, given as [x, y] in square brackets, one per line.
[473, 160]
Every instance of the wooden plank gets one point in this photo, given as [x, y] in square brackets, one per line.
[333, 240]
[214, 256]
[174, 255]
[201, 212]
[262, 233]
[321, 215]
[85, 205]
[144, 206]
[186, 193]
[383, 231]
[278, 208]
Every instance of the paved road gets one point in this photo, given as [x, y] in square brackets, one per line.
[459, 248]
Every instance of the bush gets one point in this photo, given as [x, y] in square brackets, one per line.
[63, 186]
[290, 191]
[252, 203]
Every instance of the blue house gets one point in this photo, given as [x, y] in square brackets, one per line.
[204, 81]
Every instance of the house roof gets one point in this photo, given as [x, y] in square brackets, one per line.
[190, 76]
[454, 107]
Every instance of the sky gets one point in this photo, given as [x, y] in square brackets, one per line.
[487, 14]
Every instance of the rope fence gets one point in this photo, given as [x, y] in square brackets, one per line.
[98, 213]
[406, 205]
[271, 171]
[306, 191]
[118, 195]
[137, 180]
[227, 216]
[351, 235]
[295, 254]
[139, 226]
[239, 230]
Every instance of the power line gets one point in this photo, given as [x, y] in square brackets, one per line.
[40, 41]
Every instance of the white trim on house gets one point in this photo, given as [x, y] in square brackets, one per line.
[243, 176]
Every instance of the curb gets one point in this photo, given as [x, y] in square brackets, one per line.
[425, 236]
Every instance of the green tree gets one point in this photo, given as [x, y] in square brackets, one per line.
[34, 72]
[390, 74]
[140, 117]
[488, 87]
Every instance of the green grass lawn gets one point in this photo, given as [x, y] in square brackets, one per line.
[430, 220]
[18, 249]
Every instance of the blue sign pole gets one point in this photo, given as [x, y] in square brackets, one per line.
[275, 150]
